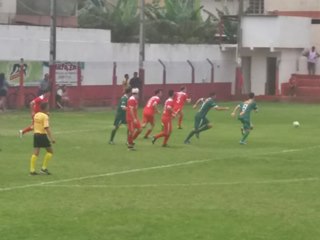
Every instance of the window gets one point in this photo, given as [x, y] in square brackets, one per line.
[255, 7]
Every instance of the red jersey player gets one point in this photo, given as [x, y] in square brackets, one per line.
[35, 108]
[150, 110]
[133, 123]
[179, 99]
[166, 119]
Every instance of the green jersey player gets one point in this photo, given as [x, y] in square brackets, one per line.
[201, 123]
[244, 110]
[120, 114]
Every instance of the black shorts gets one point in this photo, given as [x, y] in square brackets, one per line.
[41, 141]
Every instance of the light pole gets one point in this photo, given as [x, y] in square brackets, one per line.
[141, 48]
[52, 53]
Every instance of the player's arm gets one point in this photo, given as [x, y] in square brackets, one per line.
[131, 112]
[49, 134]
[200, 100]
[218, 108]
[235, 110]
[156, 108]
[31, 104]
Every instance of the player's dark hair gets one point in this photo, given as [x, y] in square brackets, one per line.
[251, 95]
[126, 75]
[156, 92]
[212, 94]
[44, 105]
[170, 93]
[182, 88]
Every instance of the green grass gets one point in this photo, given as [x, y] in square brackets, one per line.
[211, 189]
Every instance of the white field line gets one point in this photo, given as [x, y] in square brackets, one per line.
[137, 170]
[278, 181]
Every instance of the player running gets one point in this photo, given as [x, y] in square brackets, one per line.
[201, 123]
[244, 110]
[35, 108]
[166, 120]
[120, 117]
[150, 110]
[179, 99]
[133, 123]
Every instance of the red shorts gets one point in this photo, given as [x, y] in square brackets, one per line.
[132, 126]
[167, 125]
[148, 118]
[177, 109]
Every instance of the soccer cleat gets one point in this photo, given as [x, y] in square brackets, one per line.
[145, 137]
[242, 143]
[179, 127]
[153, 140]
[44, 172]
[111, 142]
[20, 133]
[187, 142]
[164, 145]
[131, 148]
[33, 174]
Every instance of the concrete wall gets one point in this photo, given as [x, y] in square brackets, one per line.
[292, 5]
[277, 32]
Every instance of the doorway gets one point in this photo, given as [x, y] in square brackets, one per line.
[246, 72]
[270, 88]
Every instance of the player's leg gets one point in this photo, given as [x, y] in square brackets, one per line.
[246, 131]
[46, 159]
[130, 126]
[167, 133]
[180, 118]
[137, 131]
[197, 124]
[116, 124]
[34, 157]
[204, 125]
[151, 122]
[162, 133]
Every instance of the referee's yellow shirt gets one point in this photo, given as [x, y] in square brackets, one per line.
[40, 123]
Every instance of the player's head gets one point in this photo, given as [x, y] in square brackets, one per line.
[127, 91]
[44, 106]
[170, 93]
[251, 95]
[47, 94]
[135, 74]
[183, 89]
[126, 76]
[313, 48]
[158, 92]
[46, 76]
[135, 92]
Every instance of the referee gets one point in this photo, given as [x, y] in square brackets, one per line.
[42, 138]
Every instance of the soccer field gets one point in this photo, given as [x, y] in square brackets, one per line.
[213, 188]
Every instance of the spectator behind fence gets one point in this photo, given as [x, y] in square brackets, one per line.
[125, 83]
[45, 85]
[292, 87]
[312, 57]
[62, 98]
[3, 91]
[135, 82]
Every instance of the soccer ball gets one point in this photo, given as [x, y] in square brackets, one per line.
[296, 124]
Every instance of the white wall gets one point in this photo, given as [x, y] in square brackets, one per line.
[292, 5]
[277, 32]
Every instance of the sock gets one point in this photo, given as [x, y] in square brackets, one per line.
[46, 159]
[33, 163]
[190, 135]
[245, 135]
[204, 128]
[159, 135]
[166, 138]
[180, 120]
[148, 133]
[27, 129]
[130, 140]
[113, 133]
[136, 134]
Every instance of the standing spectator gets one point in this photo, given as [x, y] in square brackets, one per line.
[3, 91]
[42, 138]
[135, 82]
[45, 85]
[292, 87]
[312, 56]
[133, 123]
[62, 98]
[125, 83]
[166, 120]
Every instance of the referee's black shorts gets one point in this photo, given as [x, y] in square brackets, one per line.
[41, 141]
